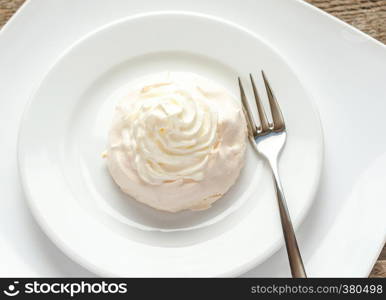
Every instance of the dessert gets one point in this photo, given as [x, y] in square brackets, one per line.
[177, 141]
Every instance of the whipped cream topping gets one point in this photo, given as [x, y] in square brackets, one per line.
[171, 133]
[177, 141]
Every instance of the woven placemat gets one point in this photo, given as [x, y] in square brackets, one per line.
[7, 9]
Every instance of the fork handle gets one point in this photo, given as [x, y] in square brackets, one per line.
[294, 257]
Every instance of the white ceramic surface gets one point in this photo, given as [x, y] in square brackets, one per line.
[65, 128]
[343, 68]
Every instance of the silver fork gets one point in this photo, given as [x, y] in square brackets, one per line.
[268, 139]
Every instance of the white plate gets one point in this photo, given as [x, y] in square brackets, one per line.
[343, 68]
[65, 128]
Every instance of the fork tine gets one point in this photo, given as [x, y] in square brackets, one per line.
[277, 117]
[252, 128]
[260, 108]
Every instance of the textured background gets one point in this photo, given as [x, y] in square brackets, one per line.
[366, 15]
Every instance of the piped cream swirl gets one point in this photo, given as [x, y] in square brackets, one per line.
[171, 133]
[177, 141]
